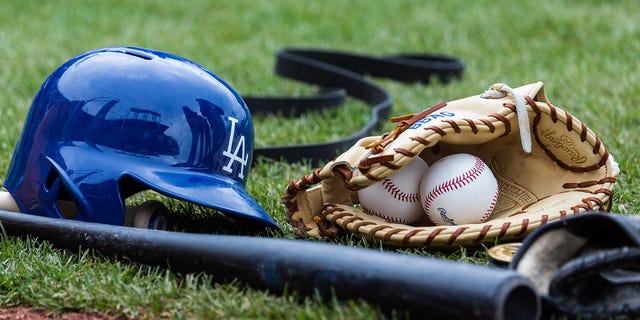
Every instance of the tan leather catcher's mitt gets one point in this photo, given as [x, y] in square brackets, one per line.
[548, 165]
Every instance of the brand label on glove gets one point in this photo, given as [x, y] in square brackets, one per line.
[563, 144]
[429, 118]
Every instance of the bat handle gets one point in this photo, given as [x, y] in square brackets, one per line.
[7, 202]
[151, 214]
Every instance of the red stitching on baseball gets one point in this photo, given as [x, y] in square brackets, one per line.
[398, 194]
[455, 183]
[489, 211]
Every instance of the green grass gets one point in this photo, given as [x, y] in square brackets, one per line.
[586, 52]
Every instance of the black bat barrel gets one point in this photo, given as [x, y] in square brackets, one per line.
[426, 287]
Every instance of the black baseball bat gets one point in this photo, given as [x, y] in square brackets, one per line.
[426, 287]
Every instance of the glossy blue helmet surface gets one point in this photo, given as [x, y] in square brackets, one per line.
[112, 122]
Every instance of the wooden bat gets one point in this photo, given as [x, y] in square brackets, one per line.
[426, 287]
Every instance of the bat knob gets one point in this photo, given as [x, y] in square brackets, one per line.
[7, 202]
[151, 214]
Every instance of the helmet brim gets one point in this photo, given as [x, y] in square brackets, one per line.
[205, 189]
[188, 184]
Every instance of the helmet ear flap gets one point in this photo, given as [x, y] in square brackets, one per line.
[63, 196]
[150, 215]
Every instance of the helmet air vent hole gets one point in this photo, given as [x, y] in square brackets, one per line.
[57, 190]
[139, 54]
[68, 209]
[52, 177]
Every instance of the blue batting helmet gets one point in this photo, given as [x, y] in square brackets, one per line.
[112, 122]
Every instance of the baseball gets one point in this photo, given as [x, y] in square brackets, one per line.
[458, 189]
[396, 199]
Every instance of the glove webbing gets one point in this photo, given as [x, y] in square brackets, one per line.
[341, 74]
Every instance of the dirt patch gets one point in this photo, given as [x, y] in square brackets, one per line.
[23, 313]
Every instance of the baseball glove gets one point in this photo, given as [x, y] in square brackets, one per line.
[548, 165]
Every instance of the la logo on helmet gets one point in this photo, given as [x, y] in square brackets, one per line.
[243, 157]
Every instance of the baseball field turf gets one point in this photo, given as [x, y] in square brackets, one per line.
[585, 52]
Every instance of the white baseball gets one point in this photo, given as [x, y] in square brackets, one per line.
[396, 199]
[458, 189]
